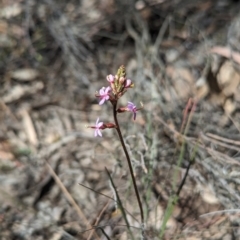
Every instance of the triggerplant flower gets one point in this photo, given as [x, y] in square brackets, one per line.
[132, 108]
[101, 126]
[104, 94]
[97, 128]
[119, 84]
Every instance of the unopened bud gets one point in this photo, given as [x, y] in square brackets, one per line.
[122, 80]
[129, 84]
[121, 72]
[110, 78]
[113, 88]
[122, 109]
[110, 125]
[120, 94]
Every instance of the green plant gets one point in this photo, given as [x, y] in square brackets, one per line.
[118, 86]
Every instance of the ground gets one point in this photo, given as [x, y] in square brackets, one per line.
[183, 58]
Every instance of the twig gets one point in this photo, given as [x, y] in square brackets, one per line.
[104, 233]
[223, 139]
[161, 33]
[111, 198]
[219, 143]
[69, 197]
[220, 212]
[184, 178]
[98, 219]
[96, 227]
[119, 202]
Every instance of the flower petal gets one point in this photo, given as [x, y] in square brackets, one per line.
[131, 106]
[134, 115]
[102, 101]
[106, 97]
[99, 133]
[101, 91]
[110, 78]
[99, 125]
[128, 83]
[106, 91]
[97, 121]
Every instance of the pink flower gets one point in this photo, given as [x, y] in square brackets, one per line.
[128, 83]
[103, 94]
[97, 128]
[110, 78]
[132, 108]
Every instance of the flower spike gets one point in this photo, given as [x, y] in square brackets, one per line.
[118, 85]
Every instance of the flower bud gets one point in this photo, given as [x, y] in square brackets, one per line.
[122, 80]
[122, 109]
[110, 125]
[110, 78]
[128, 84]
[121, 72]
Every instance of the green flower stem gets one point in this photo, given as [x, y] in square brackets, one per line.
[128, 160]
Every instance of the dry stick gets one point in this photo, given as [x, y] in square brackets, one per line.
[98, 218]
[104, 233]
[129, 164]
[119, 201]
[69, 197]
[193, 141]
[222, 139]
[106, 225]
[234, 123]
[189, 103]
[187, 121]
[184, 179]
[210, 139]
[110, 198]
[220, 212]
[190, 163]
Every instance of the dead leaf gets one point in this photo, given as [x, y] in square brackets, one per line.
[155, 217]
[226, 52]
[11, 11]
[229, 106]
[19, 91]
[228, 78]
[29, 127]
[6, 155]
[208, 195]
[202, 88]
[217, 99]
[26, 74]
[182, 80]
[3, 27]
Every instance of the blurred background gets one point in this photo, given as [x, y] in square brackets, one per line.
[54, 56]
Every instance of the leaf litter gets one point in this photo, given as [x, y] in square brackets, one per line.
[53, 59]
